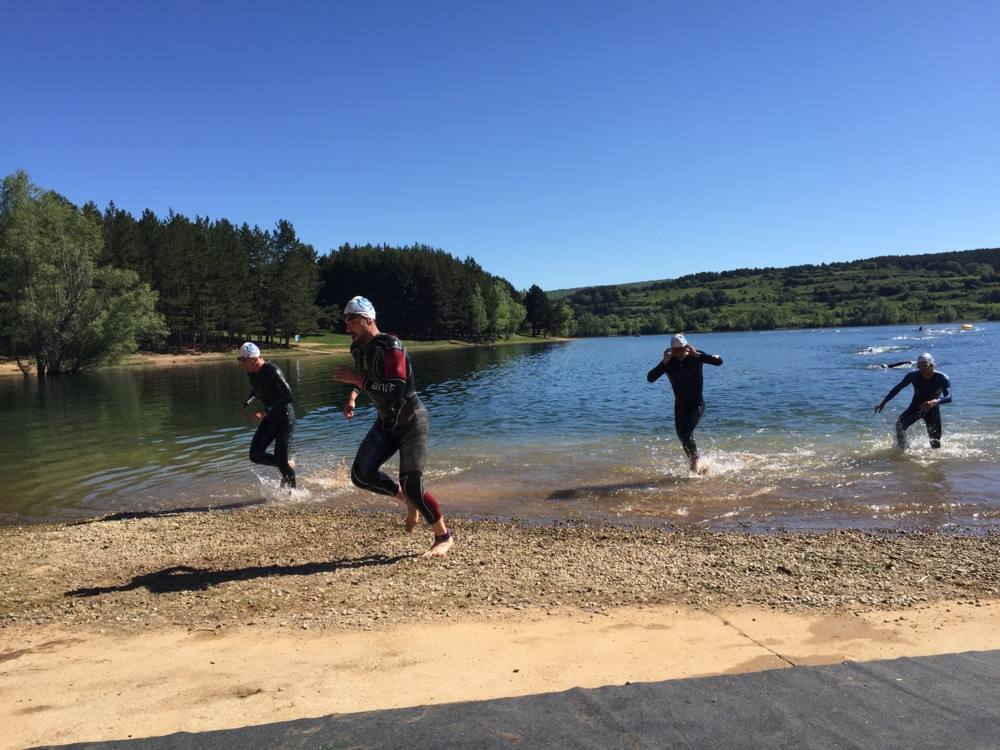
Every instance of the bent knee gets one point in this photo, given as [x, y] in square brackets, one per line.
[361, 479]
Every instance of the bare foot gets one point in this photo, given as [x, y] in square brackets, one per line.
[411, 517]
[699, 466]
[441, 546]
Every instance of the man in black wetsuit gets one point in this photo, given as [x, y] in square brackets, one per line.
[276, 419]
[930, 390]
[385, 374]
[683, 363]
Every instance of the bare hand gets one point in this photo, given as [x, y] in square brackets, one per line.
[928, 405]
[348, 410]
[879, 407]
[256, 415]
[348, 375]
[691, 350]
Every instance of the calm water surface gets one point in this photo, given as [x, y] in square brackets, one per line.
[567, 430]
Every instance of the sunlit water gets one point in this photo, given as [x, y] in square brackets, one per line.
[564, 430]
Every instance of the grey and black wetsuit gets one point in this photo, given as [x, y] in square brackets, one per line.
[937, 386]
[401, 424]
[686, 379]
[271, 389]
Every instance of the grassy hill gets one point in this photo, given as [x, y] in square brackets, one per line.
[937, 287]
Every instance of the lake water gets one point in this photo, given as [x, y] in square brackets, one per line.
[561, 430]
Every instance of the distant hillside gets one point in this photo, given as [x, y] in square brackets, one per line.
[935, 287]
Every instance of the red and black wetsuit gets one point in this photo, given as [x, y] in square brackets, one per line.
[686, 380]
[401, 424]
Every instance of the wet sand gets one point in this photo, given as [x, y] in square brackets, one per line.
[206, 620]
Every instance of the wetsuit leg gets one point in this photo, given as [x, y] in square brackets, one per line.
[412, 457]
[686, 418]
[276, 429]
[262, 438]
[377, 448]
[932, 419]
[282, 445]
[907, 418]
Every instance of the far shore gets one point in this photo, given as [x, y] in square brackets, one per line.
[302, 348]
[148, 623]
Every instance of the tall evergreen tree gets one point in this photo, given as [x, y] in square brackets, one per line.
[536, 305]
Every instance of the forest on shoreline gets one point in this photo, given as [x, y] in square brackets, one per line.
[81, 287]
[887, 290]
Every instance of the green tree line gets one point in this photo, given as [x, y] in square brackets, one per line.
[938, 287]
[80, 287]
[422, 293]
[217, 283]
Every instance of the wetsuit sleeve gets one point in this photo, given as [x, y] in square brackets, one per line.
[282, 392]
[653, 375]
[945, 397]
[388, 374]
[907, 380]
[710, 359]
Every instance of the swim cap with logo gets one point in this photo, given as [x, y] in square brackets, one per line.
[360, 306]
[248, 351]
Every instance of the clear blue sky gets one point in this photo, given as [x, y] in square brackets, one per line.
[558, 143]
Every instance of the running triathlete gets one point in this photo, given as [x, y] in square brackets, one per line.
[930, 390]
[276, 417]
[385, 374]
[683, 363]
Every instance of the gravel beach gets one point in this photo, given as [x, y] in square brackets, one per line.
[325, 568]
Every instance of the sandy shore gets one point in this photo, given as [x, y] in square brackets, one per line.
[146, 626]
[155, 359]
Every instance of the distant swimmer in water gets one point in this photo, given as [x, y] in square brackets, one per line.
[683, 364]
[901, 363]
[930, 390]
[276, 417]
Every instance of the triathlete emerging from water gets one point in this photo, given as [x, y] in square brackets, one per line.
[682, 363]
[930, 390]
[277, 418]
[385, 374]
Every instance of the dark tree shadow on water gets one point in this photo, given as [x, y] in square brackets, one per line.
[185, 578]
[610, 490]
[131, 515]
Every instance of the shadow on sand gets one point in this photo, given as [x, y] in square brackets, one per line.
[131, 515]
[185, 578]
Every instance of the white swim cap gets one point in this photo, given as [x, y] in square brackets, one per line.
[360, 306]
[248, 351]
[925, 359]
[677, 341]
